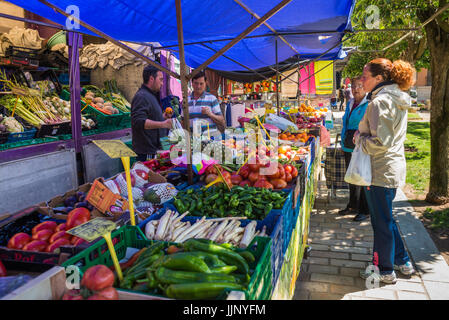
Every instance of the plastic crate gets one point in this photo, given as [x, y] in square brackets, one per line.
[23, 143]
[130, 236]
[126, 119]
[20, 136]
[103, 120]
[126, 236]
[54, 129]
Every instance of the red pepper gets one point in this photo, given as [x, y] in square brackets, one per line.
[2, 270]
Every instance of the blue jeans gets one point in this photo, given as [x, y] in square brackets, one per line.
[388, 247]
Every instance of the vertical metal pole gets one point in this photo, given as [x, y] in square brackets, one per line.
[184, 81]
[277, 77]
[75, 41]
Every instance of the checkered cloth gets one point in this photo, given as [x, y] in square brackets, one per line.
[335, 168]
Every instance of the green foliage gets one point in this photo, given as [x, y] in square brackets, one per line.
[393, 14]
[440, 219]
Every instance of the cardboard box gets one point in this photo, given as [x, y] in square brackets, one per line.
[103, 199]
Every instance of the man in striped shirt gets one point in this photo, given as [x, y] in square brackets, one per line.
[203, 105]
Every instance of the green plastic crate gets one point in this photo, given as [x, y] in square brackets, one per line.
[104, 120]
[126, 120]
[259, 287]
[25, 143]
[98, 253]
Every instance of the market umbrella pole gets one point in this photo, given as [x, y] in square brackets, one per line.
[277, 77]
[184, 80]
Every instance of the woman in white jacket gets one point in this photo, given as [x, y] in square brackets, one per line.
[381, 134]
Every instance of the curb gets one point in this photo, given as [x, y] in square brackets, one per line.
[427, 259]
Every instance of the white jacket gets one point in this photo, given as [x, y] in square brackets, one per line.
[382, 135]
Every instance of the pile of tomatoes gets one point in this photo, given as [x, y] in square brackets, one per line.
[48, 236]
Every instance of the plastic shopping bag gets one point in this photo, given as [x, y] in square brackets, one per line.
[359, 170]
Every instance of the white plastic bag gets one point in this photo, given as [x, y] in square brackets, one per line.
[279, 122]
[359, 169]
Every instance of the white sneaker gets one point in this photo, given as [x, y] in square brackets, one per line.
[389, 278]
[406, 269]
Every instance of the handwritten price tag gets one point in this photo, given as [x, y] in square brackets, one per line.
[93, 229]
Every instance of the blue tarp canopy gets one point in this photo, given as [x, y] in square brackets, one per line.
[210, 20]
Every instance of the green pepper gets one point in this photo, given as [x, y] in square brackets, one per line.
[186, 262]
[202, 290]
[246, 198]
[222, 253]
[224, 269]
[192, 206]
[212, 197]
[167, 276]
[179, 206]
[199, 204]
[248, 210]
[247, 255]
[221, 209]
[268, 208]
[189, 191]
[137, 268]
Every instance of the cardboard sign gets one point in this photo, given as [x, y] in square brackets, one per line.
[102, 198]
[93, 229]
[115, 148]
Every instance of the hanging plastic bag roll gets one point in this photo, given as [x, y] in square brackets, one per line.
[359, 169]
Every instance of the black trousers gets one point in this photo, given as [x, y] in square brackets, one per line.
[357, 197]
[144, 157]
[342, 105]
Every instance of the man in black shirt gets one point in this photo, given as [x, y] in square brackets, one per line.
[148, 124]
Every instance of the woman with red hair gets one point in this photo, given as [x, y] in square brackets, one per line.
[381, 134]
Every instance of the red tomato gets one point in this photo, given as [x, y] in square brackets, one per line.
[61, 227]
[253, 176]
[288, 168]
[55, 245]
[288, 177]
[294, 172]
[236, 179]
[259, 183]
[78, 241]
[36, 246]
[72, 295]
[245, 183]
[254, 167]
[43, 235]
[97, 278]
[19, 240]
[109, 293]
[226, 174]
[58, 235]
[278, 183]
[244, 171]
[51, 225]
[77, 216]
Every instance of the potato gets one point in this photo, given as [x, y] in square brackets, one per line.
[98, 100]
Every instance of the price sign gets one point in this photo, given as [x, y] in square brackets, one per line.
[94, 229]
[115, 148]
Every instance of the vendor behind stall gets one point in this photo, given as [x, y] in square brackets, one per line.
[203, 105]
[148, 124]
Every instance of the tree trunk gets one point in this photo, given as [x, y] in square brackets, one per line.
[438, 42]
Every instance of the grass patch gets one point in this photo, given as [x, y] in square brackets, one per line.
[440, 219]
[417, 155]
[413, 116]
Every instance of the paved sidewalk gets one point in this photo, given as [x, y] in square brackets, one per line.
[342, 247]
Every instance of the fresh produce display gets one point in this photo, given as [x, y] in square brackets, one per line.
[96, 284]
[48, 236]
[221, 230]
[115, 96]
[62, 108]
[78, 200]
[195, 269]
[10, 124]
[161, 163]
[219, 202]
[100, 104]
[28, 104]
[302, 137]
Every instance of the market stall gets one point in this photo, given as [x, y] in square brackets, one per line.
[234, 231]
